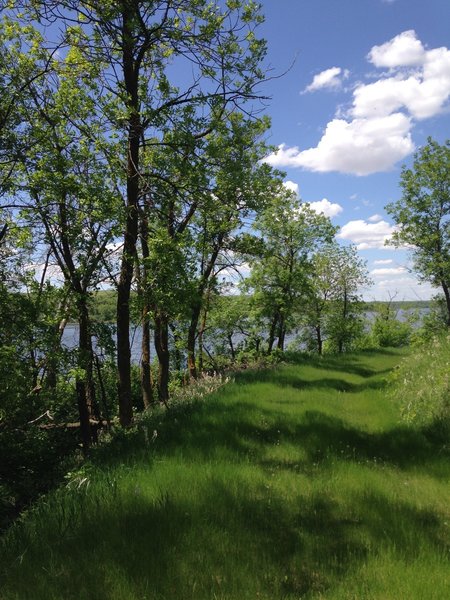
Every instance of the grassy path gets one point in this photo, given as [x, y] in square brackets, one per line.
[294, 483]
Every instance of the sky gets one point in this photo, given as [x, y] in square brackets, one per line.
[365, 83]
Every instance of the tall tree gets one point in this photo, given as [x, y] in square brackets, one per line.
[68, 198]
[423, 215]
[238, 190]
[291, 232]
[343, 323]
[155, 57]
[332, 302]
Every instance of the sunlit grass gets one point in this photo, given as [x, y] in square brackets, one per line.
[299, 482]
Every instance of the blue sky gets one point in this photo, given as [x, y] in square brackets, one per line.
[368, 81]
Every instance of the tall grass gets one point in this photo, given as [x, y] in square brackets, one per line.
[421, 385]
[300, 482]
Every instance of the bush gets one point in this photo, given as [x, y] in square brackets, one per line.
[390, 332]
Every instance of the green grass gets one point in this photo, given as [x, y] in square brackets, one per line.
[300, 482]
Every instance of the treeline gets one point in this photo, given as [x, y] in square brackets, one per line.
[104, 304]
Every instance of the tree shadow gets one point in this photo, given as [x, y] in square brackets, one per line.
[168, 547]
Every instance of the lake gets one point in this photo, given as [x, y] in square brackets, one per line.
[70, 336]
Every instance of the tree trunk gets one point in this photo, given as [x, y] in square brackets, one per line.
[200, 340]
[146, 373]
[85, 384]
[273, 328]
[447, 299]
[344, 322]
[281, 333]
[162, 350]
[319, 340]
[131, 81]
[191, 339]
[230, 343]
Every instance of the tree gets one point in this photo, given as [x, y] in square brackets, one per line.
[321, 289]
[290, 232]
[238, 189]
[67, 197]
[350, 275]
[423, 215]
[139, 46]
[332, 304]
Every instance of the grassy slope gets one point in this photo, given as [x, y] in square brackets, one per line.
[294, 483]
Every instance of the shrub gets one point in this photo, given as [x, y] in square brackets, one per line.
[390, 332]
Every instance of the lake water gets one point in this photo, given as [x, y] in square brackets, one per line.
[70, 336]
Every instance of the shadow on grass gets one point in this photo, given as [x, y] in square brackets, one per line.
[236, 544]
[243, 432]
[239, 541]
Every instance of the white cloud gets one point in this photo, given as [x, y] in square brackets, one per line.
[375, 218]
[366, 235]
[388, 261]
[324, 206]
[376, 133]
[423, 94]
[388, 271]
[330, 78]
[399, 282]
[359, 147]
[404, 50]
[292, 186]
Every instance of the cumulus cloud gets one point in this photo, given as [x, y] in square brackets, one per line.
[330, 78]
[366, 235]
[359, 147]
[388, 271]
[404, 50]
[375, 133]
[388, 261]
[375, 218]
[423, 94]
[324, 206]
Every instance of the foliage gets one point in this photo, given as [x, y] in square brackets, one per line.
[434, 323]
[332, 309]
[291, 232]
[422, 386]
[388, 331]
[423, 212]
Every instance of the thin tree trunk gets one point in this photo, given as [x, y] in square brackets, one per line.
[201, 331]
[319, 339]
[162, 350]
[191, 339]
[230, 343]
[273, 328]
[281, 333]
[85, 383]
[146, 373]
[447, 299]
